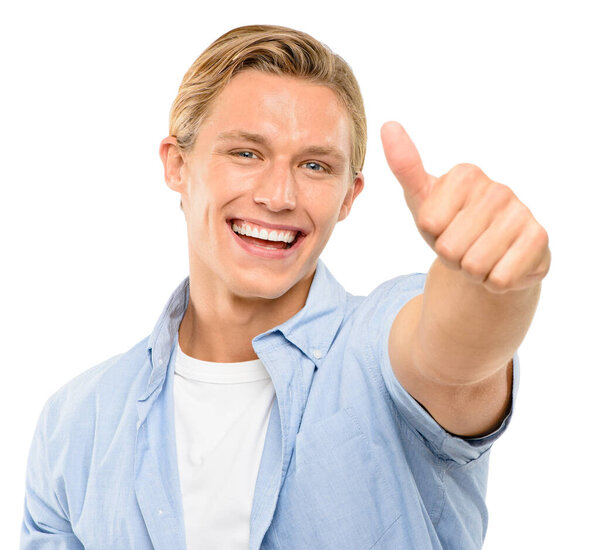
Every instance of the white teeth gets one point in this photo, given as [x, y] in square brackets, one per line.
[244, 229]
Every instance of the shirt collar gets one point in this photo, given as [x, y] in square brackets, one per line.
[162, 340]
[312, 329]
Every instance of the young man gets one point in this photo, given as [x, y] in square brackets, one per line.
[270, 408]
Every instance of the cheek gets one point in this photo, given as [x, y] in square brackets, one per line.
[225, 181]
[204, 188]
[326, 216]
[325, 200]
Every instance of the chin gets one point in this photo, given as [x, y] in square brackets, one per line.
[268, 289]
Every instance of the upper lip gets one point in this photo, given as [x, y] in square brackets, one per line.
[270, 225]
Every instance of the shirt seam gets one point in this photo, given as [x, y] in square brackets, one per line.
[444, 496]
[385, 532]
[377, 375]
[380, 383]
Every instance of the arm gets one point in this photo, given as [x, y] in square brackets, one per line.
[451, 347]
[45, 524]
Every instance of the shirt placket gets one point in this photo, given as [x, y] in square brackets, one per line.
[156, 484]
[282, 361]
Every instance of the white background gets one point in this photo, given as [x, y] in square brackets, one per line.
[93, 242]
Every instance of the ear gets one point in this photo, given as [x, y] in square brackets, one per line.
[353, 192]
[173, 163]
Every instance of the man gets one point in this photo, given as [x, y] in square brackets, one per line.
[270, 408]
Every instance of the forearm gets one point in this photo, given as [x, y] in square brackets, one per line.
[465, 332]
[451, 347]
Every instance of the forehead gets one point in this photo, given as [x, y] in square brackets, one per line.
[285, 109]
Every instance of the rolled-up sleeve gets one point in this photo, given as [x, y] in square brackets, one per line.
[392, 296]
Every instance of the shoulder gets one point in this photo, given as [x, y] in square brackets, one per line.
[403, 285]
[379, 308]
[368, 320]
[108, 386]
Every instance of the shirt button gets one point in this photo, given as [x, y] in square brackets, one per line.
[161, 512]
[317, 354]
[160, 361]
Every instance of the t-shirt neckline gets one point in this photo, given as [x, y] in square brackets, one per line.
[219, 373]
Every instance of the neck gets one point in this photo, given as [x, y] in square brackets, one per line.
[220, 326]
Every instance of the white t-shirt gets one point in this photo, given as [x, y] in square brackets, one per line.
[221, 416]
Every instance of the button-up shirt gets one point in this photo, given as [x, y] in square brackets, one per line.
[350, 460]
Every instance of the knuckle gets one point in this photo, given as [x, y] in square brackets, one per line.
[466, 170]
[501, 193]
[522, 208]
[540, 237]
[546, 266]
[427, 222]
[498, 283]
[446, 249]
[474, 267]
[518, 212]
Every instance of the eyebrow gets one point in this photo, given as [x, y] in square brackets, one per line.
[262, 140]
[240, 134]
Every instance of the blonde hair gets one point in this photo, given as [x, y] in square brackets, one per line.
[271, 49]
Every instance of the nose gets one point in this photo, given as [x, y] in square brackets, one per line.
[277, 188]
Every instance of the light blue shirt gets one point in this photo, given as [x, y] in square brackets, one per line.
[350, 461]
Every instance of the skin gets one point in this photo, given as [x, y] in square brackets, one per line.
[235, 296]
[450, 347]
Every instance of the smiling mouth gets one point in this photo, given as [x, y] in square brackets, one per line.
[262, 242]
[267, 244]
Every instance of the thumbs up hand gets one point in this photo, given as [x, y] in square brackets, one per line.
[474, 224]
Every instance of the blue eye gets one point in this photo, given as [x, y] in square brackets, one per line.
[315, 166]
[245, 154]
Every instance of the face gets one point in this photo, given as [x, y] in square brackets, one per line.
[272, 160]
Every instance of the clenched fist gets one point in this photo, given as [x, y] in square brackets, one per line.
[474, 224]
